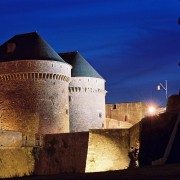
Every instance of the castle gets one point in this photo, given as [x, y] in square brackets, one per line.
[42, 92]
[52, 116]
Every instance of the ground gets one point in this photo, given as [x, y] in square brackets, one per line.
[152, 172]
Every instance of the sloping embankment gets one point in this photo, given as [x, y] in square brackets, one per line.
[154, 137]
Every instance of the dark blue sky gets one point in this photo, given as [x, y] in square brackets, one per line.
[133, 44]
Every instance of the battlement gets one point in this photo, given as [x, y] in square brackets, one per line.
[85, 89]
[33, 76]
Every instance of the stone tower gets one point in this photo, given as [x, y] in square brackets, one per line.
[34, 82]
[86, 94]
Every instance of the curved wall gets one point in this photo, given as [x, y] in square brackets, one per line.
[34, 96]
[87, 103]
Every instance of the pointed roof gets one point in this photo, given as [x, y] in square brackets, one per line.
[29, 46]
[81, 68]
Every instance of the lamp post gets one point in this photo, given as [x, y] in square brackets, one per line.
[164, 87]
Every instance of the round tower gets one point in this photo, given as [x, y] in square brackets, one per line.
[34, 82]
[86, 94]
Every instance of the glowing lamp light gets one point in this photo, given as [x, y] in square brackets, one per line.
[158, 88]
[152, 110]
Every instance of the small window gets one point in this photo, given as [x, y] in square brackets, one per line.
[67, 112]
[114, 106]
[100, 115]
[69, 98]
[125, 118]
[102, 125]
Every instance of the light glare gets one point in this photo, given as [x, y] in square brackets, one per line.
[151, 110]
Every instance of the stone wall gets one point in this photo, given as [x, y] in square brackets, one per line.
[129, 112]
[107, 150]
[34, 97]
[63, 153]
[10, 139]
[134, 134]
[87, 103]
[116, 124]
[16, 162]
[80, 152]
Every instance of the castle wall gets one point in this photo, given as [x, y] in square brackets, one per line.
[129, 112]
[10, 139]
[63, 153]
[80, 152]
[116, 124]
[34, 97]
[107, 150]
[87, 103]
[16, 162]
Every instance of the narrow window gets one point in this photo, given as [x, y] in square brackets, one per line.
[67, 111]
[100, 115]
[114, 106]
[125, 118]
[69, 98]
[102, 125]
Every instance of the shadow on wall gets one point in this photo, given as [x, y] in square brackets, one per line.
[94, 151]
[62, 153]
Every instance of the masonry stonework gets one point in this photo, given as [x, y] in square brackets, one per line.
[87, 103]
[108, 150]
[34, 96]
[10, 139]
[128, 112]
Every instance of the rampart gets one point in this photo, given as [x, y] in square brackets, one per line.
[129, 112]
[80, 152]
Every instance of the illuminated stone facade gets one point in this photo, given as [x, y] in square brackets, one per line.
[34, 96]
[86, 94]
[34, 84]
[87, 103]
[127, 112]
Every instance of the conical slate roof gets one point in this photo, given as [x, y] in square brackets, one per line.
[81, 68]
[29, 46]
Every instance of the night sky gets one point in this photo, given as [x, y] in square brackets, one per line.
[133, 44]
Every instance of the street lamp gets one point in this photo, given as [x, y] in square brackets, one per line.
[163, 87]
